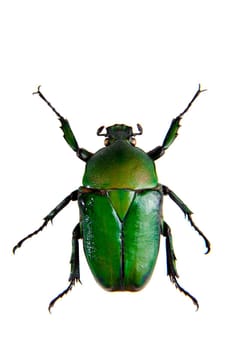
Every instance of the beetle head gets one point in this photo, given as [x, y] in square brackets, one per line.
[118, 132]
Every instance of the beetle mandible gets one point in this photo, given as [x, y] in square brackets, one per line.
[120, 204]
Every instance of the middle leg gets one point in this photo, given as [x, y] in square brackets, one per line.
[187, 212]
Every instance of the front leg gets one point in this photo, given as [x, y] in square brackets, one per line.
[172, 133]
[82, 153]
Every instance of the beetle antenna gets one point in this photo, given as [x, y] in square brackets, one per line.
[140, 129]
[99, 131]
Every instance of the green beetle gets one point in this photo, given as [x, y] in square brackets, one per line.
[120, 205]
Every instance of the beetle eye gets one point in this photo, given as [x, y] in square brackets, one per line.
[106, 142]
[133, 141]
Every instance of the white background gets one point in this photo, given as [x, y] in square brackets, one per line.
[99, 63]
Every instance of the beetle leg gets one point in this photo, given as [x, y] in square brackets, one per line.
[171, 263]
[52, 302]
[171, 258]
[73, 196]
[172, 133]
[68, 135]
[74, 261]
[187, 212]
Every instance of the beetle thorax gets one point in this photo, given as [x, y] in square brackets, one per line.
[120, 165]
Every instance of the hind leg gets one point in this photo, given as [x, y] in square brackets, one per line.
[171, 263]
[74, 261]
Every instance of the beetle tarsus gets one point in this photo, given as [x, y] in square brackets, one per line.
[19, 244]
[38, 90]
[72, 197]
[67, 131]
[171, 263]
[181, 289]
[60, 295]
[187, 212]
[199, 91]
[207, 243]
[172, 132]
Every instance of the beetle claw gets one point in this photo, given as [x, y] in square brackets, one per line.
[38, 90]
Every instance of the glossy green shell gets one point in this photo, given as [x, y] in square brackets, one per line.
[120, 216]
[121, 247]
[120, 165]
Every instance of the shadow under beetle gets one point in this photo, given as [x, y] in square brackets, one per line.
[120, 204]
